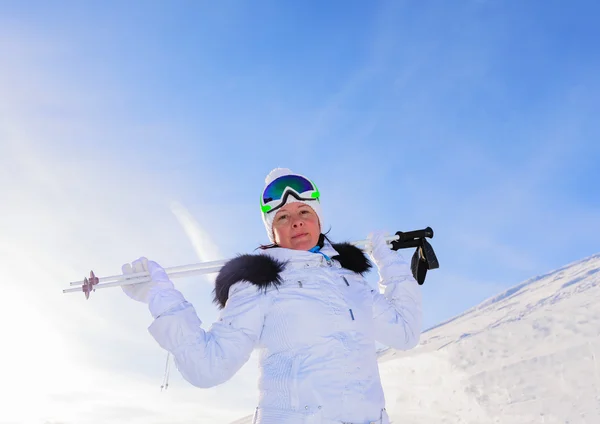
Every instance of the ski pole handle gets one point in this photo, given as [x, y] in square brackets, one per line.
[417, 234]
[396, 245]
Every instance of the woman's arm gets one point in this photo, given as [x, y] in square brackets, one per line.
[397, 313]
[209, 358]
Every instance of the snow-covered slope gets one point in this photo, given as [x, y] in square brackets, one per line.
[529, 355]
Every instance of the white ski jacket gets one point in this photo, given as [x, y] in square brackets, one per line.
[315, 322]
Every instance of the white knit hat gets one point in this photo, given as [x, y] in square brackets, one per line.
[269, 217]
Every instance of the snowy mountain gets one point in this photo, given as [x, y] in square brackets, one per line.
[528, 355]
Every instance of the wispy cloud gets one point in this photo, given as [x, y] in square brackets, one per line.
[206, 249]
[62, 215]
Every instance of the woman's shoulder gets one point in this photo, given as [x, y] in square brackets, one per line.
[351, 257]
[263, 271]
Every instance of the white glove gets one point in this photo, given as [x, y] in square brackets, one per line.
[144, 292]
[380, 250]
[386, 259]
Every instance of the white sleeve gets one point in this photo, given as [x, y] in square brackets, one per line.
[397, 313]
[209, 358]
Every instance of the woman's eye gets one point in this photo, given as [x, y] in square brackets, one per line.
[304, 212]
[281, 217]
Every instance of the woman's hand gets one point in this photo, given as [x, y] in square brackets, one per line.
[380, 250]
[144, 292]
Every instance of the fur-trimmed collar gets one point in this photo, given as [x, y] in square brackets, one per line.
[264, 271]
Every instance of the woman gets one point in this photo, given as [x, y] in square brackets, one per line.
[305, 304]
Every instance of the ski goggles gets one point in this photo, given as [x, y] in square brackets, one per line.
[276, 193]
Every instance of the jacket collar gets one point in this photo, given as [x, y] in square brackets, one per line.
[295, 259]
[264, 269]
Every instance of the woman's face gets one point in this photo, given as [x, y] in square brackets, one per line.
[296, 226]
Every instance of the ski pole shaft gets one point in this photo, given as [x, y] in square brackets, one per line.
[171, 270]
[145, 278]
[201, 268]
[181, 270]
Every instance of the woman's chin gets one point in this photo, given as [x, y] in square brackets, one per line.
[302, 243]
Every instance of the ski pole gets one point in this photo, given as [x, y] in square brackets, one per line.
[94, 283]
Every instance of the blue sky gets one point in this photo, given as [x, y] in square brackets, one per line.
[120, 121]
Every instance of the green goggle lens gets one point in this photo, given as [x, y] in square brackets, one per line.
[276, 192]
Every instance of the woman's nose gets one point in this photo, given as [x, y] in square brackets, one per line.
[297, 223]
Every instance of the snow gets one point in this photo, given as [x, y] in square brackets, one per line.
[528, 355]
